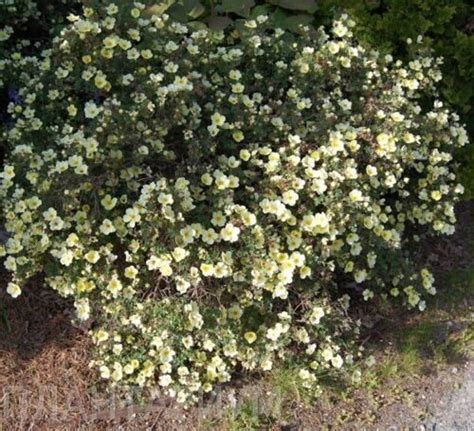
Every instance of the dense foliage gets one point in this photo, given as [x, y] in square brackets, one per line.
[446, 26]
[199, 194]
[27, 27]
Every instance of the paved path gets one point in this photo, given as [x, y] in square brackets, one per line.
[455, 411]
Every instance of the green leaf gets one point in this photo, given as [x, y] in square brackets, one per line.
[239, 7]
[197, 11]
[218, 22]
[279, 18]
[178, 12]
[294, 22]
[302, 5]
[158, 9]
[290, 22]
[189, 5]
[260, 10]
[197, 25]
[194, 8]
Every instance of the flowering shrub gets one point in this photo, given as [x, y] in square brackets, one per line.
[199, 194]
[26, 28]
[24, 22]
[16, 14]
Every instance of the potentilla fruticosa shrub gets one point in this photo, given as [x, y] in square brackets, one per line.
[27, 27]
[198, 194]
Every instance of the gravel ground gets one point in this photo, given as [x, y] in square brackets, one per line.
[455, 410]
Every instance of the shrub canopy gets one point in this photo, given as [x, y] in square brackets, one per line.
[199, 194]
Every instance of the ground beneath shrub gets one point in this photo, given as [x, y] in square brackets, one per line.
[46, 384]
